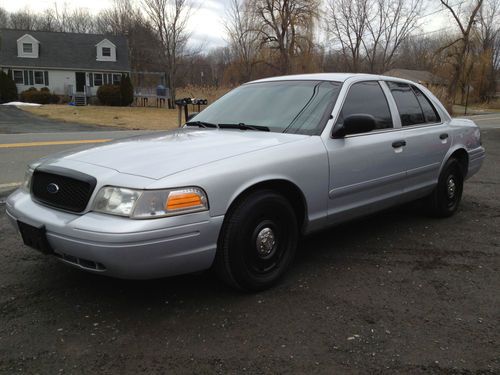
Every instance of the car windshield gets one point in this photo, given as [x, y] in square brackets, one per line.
[280, 106]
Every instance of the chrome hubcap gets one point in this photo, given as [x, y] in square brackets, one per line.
[451, 188]
[266, 242]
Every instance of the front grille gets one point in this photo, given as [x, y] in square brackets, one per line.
[62, 188]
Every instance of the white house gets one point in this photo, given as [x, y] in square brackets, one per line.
[66, 63]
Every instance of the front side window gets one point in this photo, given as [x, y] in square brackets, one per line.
[367, 98]
[408, 106]
[39, 78]
[27, 48]
[18, 77]
[282, 106]
[106, 51]
[97, 79]
[116, 79]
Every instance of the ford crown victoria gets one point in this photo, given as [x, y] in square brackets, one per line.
[237, 185]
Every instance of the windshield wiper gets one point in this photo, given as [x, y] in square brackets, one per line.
[201, 124]
[243, 126]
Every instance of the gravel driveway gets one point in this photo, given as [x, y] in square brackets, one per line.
[394, 293]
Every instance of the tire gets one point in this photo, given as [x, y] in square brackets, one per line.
[258, 241]
[445, 199]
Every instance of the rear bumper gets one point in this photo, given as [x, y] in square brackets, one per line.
[121, 247]
[476, 158]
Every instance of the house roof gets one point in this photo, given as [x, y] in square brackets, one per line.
[64, 51]
[419, 76]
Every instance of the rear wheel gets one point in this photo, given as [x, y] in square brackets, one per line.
[258, 241]
[445, 199]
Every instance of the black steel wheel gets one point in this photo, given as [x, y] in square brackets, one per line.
[445, 199]
[258, 241]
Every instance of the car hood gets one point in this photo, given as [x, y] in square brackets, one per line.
[162, 154]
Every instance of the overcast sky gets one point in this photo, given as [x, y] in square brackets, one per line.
[206, 22]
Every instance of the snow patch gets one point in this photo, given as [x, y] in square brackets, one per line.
[20, 104]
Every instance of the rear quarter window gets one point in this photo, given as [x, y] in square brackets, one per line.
[430, 113]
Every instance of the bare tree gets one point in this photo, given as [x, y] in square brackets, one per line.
[241, 30]
[346, 24]
[4, 18]
[488, 34]
[464, 17]
[169, 19]
[391, 24]
[286, 26]
[23, 20]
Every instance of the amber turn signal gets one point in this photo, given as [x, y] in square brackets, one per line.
[178, 200]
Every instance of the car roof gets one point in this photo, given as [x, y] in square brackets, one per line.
[337, 77]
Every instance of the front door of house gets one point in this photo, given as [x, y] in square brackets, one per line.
[80, 81]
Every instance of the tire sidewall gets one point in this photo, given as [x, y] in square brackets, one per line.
[238, 239]
[453, 169]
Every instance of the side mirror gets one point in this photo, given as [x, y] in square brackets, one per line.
[191, 115]
[354, 124]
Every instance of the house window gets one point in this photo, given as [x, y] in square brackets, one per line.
[39, 78]
[18, 77]
[27, 48]
[97, 79]
[106, 52]
[116, 79]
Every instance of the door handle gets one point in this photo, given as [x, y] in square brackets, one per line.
[443, 136]
[398, 144]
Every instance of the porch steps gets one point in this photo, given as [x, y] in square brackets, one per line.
[80, 99]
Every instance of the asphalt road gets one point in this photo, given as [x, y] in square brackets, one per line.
[393, 293]
[25, 137]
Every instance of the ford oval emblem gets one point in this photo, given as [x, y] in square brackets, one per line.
[52, 188]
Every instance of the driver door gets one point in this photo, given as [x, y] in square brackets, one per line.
[367, 170]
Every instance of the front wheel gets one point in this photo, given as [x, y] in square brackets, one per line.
[258, 241]
[445, 199]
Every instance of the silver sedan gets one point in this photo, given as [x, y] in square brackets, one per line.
[236, 187]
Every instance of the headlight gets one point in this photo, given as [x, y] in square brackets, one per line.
[150, 204]
[116, 201]
[26, 186]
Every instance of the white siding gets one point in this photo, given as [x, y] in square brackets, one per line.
[61, 82]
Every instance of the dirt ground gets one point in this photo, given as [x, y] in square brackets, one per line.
[394, 293]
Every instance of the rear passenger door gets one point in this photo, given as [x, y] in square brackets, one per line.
[367, 170]
[426, 136]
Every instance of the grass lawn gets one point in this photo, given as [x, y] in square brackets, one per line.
[122, 117]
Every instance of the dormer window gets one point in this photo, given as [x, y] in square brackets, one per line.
[106, 51]
[27, 48]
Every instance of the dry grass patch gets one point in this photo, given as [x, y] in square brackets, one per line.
[150, 118]
[121, 117]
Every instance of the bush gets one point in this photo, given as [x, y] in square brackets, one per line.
[127, 90]
[110, 95]
[44, 96]
[8, 88]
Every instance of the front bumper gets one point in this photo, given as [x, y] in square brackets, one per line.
[122, 247]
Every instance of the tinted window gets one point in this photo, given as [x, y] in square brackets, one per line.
[369, 99]
[430, 113]
[408, 106]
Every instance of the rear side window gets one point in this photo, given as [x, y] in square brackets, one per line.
[369, 99]
[408, 106]
[430, 112]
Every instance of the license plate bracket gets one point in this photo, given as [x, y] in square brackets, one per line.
[35, 237]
